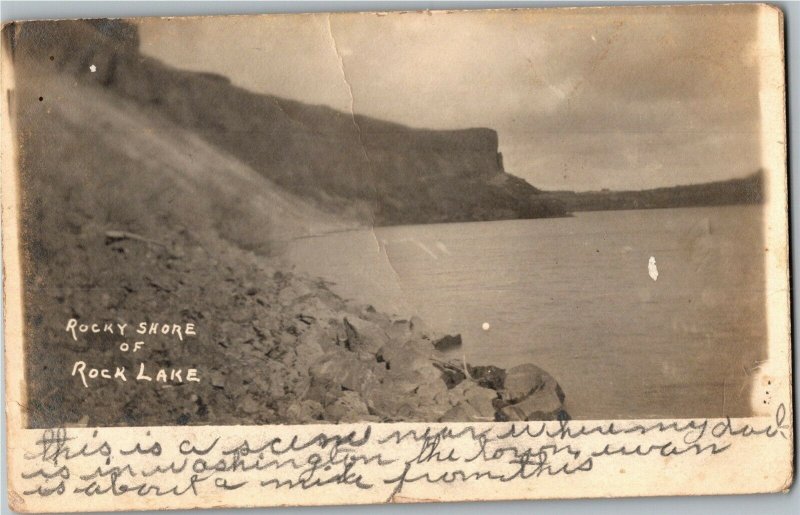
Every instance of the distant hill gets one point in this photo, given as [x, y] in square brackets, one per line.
[747, 190]
[381, 172]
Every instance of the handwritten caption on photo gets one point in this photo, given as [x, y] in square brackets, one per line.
[134, 337]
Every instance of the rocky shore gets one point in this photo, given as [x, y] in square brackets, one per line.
[363, 365]
[271, 347]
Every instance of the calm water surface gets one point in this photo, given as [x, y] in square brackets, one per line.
[573, 295]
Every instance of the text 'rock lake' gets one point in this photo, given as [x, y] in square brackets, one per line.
[575, 296]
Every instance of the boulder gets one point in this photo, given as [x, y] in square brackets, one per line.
[430, 412]
[399, 331]
[390, 405]
[461, 412]
[465, 411]
[432, 392]
[478, 397]
[406, 382]
[405, 356]
[313, 308]
[419, 328]
[543, 404]
[329, 299]
[342, 371]
[489, 376]
[447, 342]
[349, 407]
[368, 312]
[522, 380]
[250, 405]
[304, 411]
[296, 383]
[310, 344]
[409, 393]
[364, 335]
[452, 372]
[276, 385]
[217, 379]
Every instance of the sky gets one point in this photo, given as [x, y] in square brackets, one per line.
[582, 99]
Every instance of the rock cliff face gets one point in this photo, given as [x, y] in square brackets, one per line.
[127, 215]
[388, 173]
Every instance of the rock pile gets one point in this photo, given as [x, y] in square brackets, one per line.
[365, 366]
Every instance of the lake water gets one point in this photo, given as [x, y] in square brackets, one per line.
[574, 296]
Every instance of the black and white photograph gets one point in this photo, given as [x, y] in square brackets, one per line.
[330, 258]
[423, 217]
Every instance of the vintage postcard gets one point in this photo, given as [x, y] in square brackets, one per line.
[395, 257]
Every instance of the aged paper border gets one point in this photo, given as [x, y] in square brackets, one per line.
[750, 466]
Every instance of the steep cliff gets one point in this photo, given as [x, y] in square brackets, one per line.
[385, 172]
